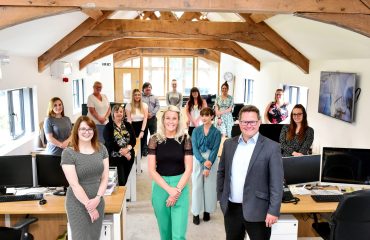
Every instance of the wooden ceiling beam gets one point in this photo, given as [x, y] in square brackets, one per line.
[93, 13]
[359, 23]
[130, 53]
[167, 16]
[286, 49]
[240, 6]
[57, 50]
[11, 16]
[257, 18]
[125, 44]
[188, 16]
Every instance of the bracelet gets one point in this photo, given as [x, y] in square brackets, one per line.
[141, 130]
[100, 196]
[178, 189]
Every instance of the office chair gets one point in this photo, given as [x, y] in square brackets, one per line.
[351, 219]
[19, 231]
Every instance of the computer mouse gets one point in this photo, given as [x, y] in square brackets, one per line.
[42, 201]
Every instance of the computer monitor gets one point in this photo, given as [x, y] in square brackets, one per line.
[271, 131]
[16, 171]
[49, 172]
[302, 169]
[236, 110]
[345, 166]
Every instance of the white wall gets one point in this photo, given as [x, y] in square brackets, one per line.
[329, 132]
[23, 72]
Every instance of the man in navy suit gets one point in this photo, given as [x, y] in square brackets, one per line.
[250, 180]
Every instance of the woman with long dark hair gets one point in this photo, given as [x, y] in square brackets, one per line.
[297, 137]
[193, 108]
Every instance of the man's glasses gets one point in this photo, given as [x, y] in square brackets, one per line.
[297, 114]
[90, 130]
[250, 123]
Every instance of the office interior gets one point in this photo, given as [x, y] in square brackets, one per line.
[327, 47]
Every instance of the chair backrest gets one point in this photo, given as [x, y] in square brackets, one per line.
[351, 220]
[10, 233]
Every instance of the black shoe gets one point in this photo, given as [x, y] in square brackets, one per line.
[196, 220]
[145, 153]
[206, 217]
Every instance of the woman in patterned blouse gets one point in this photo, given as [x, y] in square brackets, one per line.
[120, 140]
[297, 137]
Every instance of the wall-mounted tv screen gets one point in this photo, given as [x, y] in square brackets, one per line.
[337, 95]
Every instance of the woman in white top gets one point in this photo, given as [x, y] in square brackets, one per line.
[193, 108]
[137, 115]
[174, 97]
[99, 109]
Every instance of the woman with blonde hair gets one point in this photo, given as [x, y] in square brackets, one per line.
[170, 161]
[57, 127]
[86, 166]
[137, 115]
[277, 111]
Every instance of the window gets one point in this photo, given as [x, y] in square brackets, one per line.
[129, 63]
[154, 72]
[295, 95]
[181, 69]
[248, 93]
[16, 118]
[78, 94]
[207, 80]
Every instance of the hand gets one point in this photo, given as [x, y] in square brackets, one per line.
[141, 135]
[128, 156]
[91, 204]
[296, 154]
[206, 172]
[270, 219]
[219, 121]
[174, 192]
[124, 151]
[149, 115]
[64, 144]
[208, 164]
[171, 201]
[101, 120]
[94, 215]
[187, 122]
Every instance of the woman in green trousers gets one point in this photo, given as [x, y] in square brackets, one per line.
[170, 161]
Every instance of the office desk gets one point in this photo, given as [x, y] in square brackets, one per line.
[305, 206]
[52, 216]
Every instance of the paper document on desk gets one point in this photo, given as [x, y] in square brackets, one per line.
[299, 191]
[26, 191]
[326, 192]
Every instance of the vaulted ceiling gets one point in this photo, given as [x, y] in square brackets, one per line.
[155, 27]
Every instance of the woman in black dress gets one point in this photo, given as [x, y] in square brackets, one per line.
[120, 141]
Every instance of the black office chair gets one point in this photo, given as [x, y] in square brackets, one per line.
[19, 231]
[351, 219]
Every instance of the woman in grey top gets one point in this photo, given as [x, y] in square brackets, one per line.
[57, 127]
[174, 97]
[85, 165]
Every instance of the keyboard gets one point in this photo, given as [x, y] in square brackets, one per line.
[328, 198]
[14, 198]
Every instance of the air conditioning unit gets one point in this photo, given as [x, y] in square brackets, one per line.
[60, 69]
[92, 68]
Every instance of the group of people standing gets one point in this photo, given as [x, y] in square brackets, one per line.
[247, 181]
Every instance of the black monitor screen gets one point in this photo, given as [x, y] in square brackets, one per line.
[346, 165]
[302, 169]
[16, 171]
[49, 171]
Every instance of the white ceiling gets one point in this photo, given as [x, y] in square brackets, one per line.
[313, 39]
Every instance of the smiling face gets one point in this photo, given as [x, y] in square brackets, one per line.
[137, 96]
[118, 114]
[58, 107]
[224, 90]
[148, 90]
[279, 96]
[174, 85]
[170, 122]
[195, 94]
[207, 119]
[249, 124]
[97, 88]
[85, 132]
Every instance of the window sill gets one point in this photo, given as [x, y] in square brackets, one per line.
[14, 144]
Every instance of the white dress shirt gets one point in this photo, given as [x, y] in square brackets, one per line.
[240, 166]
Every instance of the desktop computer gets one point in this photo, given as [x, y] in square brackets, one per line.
[286, 228]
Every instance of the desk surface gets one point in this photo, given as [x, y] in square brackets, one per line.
[55, 204]
[308, 205]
